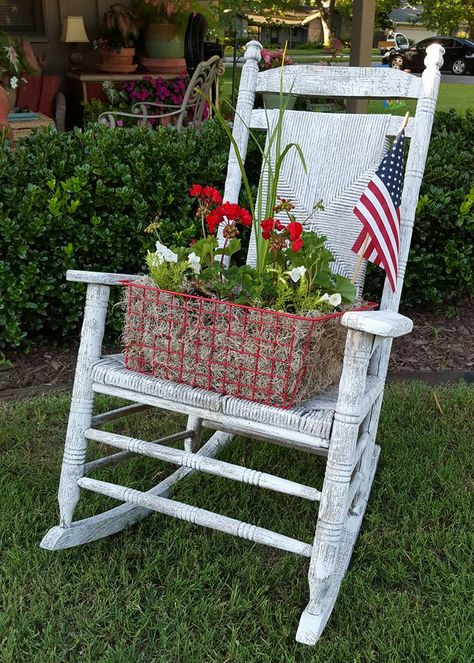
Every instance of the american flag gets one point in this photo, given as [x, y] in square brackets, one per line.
[378, 210]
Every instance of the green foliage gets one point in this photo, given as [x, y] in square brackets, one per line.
[168, 275]
[446, 17]
[82, 200]
[441, 262]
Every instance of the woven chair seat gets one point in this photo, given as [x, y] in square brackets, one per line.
[313, 417]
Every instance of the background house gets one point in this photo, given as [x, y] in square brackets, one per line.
[407, 19]
[295, 27]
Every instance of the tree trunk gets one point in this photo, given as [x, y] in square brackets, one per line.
[327, 14]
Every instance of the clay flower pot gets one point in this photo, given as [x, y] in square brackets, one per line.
[117, 61]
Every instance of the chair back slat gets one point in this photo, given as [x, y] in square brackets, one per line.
[259, 120]
[341, 153]
[310, 80]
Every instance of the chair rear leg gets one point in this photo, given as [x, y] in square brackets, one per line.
[80, 415]
[331, 547]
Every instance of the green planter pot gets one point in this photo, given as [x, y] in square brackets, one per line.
[271, 101]
[164, 41]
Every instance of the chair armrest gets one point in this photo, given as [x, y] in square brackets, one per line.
[386, 324]
[99, 278]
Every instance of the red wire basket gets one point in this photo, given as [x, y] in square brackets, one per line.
[261, 355]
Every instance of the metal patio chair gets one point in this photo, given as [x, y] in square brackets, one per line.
[342, 151]
[193, 109]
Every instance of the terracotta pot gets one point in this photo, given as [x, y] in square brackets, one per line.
[163, 41]
[5, 106]
[176, 66]
[117, 59]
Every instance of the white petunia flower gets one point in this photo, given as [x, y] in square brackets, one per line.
[165, 254]
[194, 262]
[297, 273]
[335, 299]
[14, 82]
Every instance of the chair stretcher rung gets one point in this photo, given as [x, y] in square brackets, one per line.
[198, 516]
[354, 487]
[106, 461]
[361, 444]
[125, 411]
[203, 464]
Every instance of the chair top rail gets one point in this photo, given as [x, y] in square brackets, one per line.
[317, 81]
[99, 278]
[263, 119]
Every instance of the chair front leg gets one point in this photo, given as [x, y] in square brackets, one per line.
[333, 510]
[80, 416]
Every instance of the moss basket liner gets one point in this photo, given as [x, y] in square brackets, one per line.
[261, 355]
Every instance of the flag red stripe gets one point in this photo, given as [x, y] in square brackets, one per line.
[382, 198]
[372, 210]
[386, 265]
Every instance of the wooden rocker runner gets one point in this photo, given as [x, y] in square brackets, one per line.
[342, 152]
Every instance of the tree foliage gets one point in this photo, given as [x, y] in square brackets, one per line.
[446, 17]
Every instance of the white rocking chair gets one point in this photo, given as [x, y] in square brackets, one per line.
[342, 152]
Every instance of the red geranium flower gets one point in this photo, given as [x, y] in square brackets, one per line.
[229, 212]
[270, 224]
[195, 190]
[297, 244]
[211, 195]
[213, 219]
[295, 230]
[267, 226]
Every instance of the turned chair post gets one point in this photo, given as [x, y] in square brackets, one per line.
[80, 416]
[334, 505]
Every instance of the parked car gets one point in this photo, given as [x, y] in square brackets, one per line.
[458, 57]
[395, 41]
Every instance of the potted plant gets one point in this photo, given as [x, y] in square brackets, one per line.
[267, 332]
[272, 60]
[165, 22]
[16, 59]
[116, 45]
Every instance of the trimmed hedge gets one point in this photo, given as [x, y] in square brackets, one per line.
[83, 200]
[441, 262]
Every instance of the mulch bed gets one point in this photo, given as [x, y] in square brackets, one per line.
[437, 344]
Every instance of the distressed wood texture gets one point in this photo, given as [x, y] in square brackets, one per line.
[312, 81]
[197, 516]
[123, 516]
[341, 152]
[261, 118]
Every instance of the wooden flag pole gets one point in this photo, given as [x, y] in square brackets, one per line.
[359, 258]
[367, 237]
[404, 123]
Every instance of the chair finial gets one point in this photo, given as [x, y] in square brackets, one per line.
[253, 51]
[434, 56]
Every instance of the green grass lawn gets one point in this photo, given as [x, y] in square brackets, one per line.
[169, 592]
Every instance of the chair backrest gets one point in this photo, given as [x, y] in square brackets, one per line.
[198, 90]
[39, 94]
[342, 151]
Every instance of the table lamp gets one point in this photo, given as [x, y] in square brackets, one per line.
[74, 33]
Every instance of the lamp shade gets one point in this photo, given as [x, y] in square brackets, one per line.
[74, 30]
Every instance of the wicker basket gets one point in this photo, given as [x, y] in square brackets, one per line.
[21, 128]
[261, 355]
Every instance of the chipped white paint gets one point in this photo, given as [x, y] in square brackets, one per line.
[341, 424]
